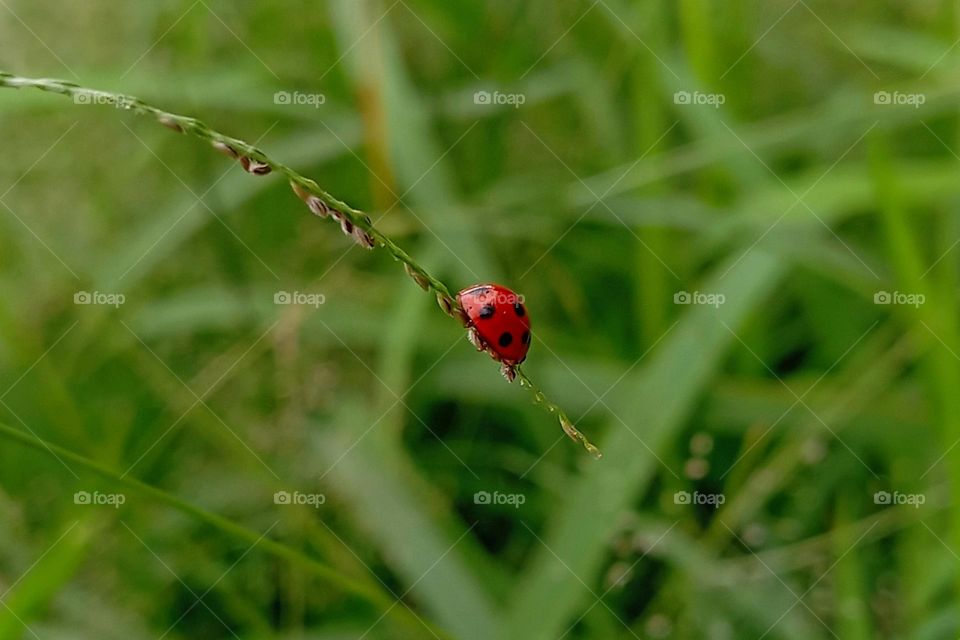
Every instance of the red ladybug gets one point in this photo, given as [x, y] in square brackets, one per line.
[497, 323]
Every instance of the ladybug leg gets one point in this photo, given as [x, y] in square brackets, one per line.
[508, 371]
[475, 339]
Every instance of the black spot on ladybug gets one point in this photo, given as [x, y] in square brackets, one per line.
[525, 338]
[487, 311]
[518, 308]
[505, 339]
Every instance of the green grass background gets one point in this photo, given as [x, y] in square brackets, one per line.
[797, 199]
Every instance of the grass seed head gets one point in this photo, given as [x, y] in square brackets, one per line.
[225, 149]
[418, 277]
[363, 238]
[255, 167]
[170, 123]
[318, 207]
[448, 305]
[302, 193]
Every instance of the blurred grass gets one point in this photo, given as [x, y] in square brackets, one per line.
[600, 198]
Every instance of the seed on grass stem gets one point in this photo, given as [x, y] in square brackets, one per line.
[446, 303]
[225, 149]
[363, 238]
[318, 207]
[170, 123]
[302, 193]
[422, 282]
[565, 423]
[578, 436]
[255, 167]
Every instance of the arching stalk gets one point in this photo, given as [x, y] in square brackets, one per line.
[353, 222]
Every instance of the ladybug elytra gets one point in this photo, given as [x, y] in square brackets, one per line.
[497, 322]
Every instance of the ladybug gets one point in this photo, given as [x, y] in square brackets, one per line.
[497, 322]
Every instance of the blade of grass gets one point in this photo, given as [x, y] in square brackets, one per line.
[656, 400]
[844, 115]
[277, 549]
[853, 615]
[43, 581]
[650, 121]
[393, 502]
[404, 515]
[935, 320]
